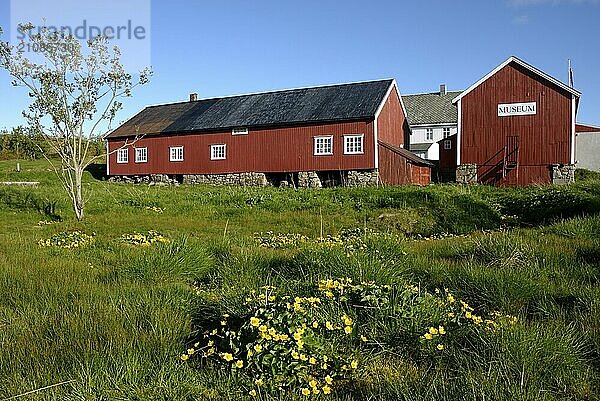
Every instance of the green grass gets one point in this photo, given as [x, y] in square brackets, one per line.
[114, 319]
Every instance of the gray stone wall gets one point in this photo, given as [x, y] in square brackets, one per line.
[466, 174]
[563, 173]
[233, 179]
[309, 179]
[365, 178]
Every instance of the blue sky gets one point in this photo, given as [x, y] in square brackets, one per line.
[233, 47]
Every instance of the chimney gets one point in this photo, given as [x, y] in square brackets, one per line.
[443, 90]
[193, 97]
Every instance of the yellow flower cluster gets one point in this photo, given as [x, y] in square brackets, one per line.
[155, 209]
[42, 223]
[67, 240]
[435, 332]
[151, 237]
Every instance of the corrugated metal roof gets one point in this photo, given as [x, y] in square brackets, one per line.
[343, 102]
[431, 108]
[420, 147]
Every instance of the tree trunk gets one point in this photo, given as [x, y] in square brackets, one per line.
[77, 198]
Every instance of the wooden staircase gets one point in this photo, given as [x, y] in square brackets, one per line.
[511, 155]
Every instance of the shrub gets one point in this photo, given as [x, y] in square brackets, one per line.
[281, 344]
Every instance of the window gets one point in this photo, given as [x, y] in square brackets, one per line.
[430, 134]
[123, 155]
[218, 152]
[446, 132]
[239, 131]
[141, 155]
[447, 144]
[324, 145]
[176, 153]
[353, 144]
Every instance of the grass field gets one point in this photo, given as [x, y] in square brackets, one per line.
[109, 320]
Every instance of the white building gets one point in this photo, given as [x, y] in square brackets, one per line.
[432, 117]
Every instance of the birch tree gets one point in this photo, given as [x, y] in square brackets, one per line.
[75, 90]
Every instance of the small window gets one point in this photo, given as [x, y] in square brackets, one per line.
[353, 144]
[446, 132]
[447, 144]
[176, 153]
[430, 134]
[218, 152]
[323, 145]
[123, 155]
[239, 131]
[141, 155]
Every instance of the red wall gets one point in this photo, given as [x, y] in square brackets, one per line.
[391, 121]
[264, 150]
[544, 138]
[395, 169]
[586, 128]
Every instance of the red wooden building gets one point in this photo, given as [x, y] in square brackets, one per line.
[516, 126]
[350, 134]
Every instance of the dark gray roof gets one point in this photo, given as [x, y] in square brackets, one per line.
[344, 102]
[431, 108]
[420, 147]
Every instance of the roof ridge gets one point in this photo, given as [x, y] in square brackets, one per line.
[432, 93]
[275, 91]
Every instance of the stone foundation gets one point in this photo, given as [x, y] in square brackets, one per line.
[466, 174]
[366, 178]
[306, 179]
[309, 179]
[563, 173]
[233, 179]
[153, 179]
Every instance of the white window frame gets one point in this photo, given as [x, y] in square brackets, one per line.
[217, 148]
[446, 132]
[427, 132]
[120, 154]
[447, 144]
[139, 152]
[239, 131]
[316, 149]
[174, 155]
[347, 141]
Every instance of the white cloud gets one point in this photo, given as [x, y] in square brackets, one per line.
[520, 20]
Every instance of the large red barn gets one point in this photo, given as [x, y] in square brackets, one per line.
[339, 134]
[516, 126]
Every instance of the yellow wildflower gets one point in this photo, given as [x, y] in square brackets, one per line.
[324, 366]
[259, 382]
[354, 364]
[440, 347]
[305, 392]
[257, 347]
[313, 383]
[315, 325]
[326, 390]
[191, 351]
[363, 339]
[228, 357]
[347, 321]
[348, 329]
[303, 358]
[295, 355]
[239, 364]
[329, 326]
[442, 330]
[433, 330]
[312, 360]
[468, 315]
[262, 328]
[297, 336]
[254, 321]
[185, 357]
[325, 359]
[252, 393]
[428, 336]
[328, 379]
